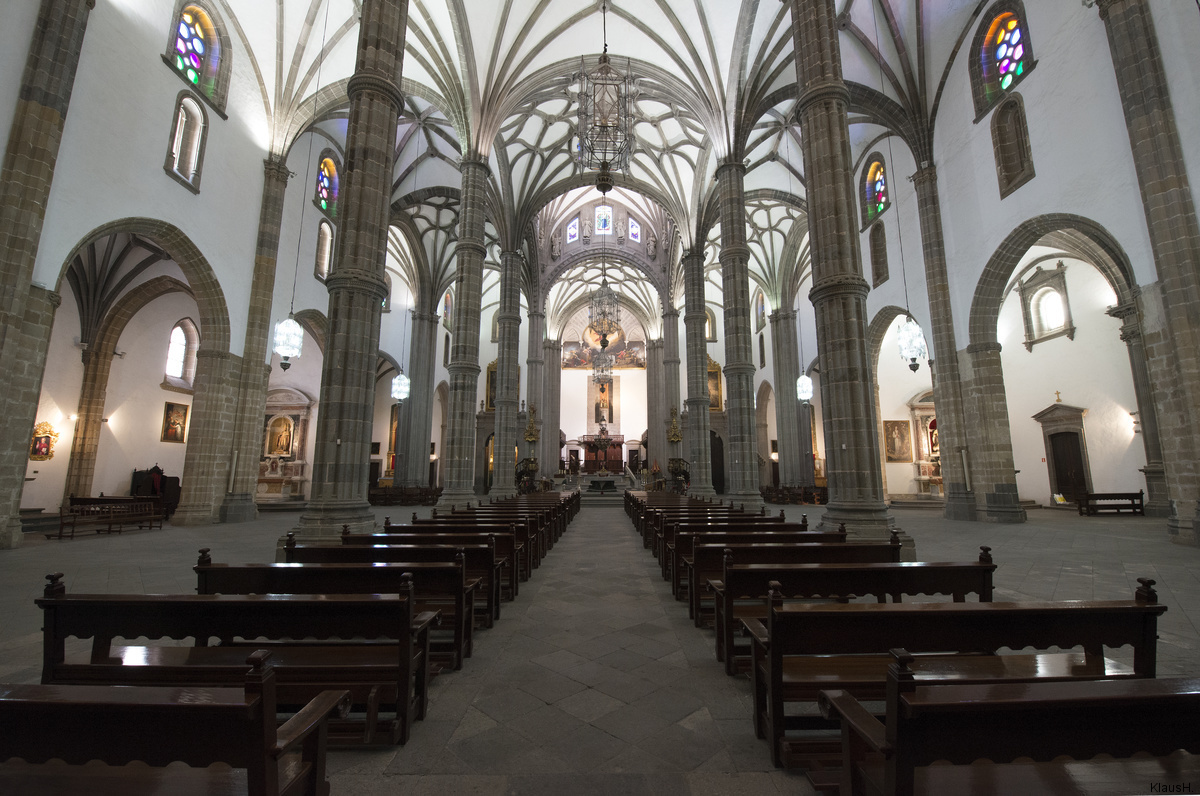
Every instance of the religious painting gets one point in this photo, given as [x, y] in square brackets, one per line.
[604, 407]
[174, 427]
[576, 356]
[281, 433]
[632, 355]
[715, 404]
[41, 447]
[490, 404]
[897, 441]
[616, 340]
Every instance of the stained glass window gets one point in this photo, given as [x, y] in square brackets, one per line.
[604, 220]
[573, 230]
[635, 231]
[327, 187]
[1006, 49]
[875, 191]
[197, 49]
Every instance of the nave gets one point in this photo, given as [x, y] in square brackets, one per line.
[594, 680]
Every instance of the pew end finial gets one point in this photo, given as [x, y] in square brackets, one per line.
[414, 517]
[1145, 592]
[204, 559]
[985, 554]
[345, 530]
[291, 539]
[893, 537]
[782, 515]
[55, 587]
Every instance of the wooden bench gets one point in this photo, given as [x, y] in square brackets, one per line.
[742, 591]
[707, 562]
[342, 648]
[665, 537]
[103, 517]
[1094, 503]
[965, 724]
[158, 726]
[805, 648]
[688, 536]
[524, 528]
[439, 577]
[520, 555]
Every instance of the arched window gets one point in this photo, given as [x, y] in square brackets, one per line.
[197, 51]
[604, 220]
[1010, 140]
[186, 153]
[1049, 315]
[1002, 55]
[1045, 307]
[324, 250]
[879, 263]
[710, 326]
[573, 230]
[326, 195]
[762, 350]
[387, 300]
[180, 367]
[875, 196]
[446, 353]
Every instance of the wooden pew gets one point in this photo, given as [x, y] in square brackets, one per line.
[158, 726]
[741, 593]
[963, 724]
[523, 529]
[1094, 503]
[707, 563]
[391, 677]
[666, 537]
[440, 583]
[512, 542]
[503, 544]
[688, 536]
[806, 648]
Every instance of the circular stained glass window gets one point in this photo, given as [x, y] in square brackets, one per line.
[1008, 52]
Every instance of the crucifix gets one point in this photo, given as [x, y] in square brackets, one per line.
[1058, 396]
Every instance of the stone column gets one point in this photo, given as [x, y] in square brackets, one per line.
[238, 504]
[1157, 503]
[670, 378]
[947, 387]
[356, 286]
[699, 447]
[81, 470]
[993, 473]
[658, 411]
[1172, 344]
[27, 313]
[744, 439]
[839, 293]
[206, 462]
[464, 355]
[508, 395]
[535, 365]
[416, 417]
[794, 443]
[551, 405]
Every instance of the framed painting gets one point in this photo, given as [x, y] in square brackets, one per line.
[715, 404]
[174, 427]
[41, 447]
[897, 441]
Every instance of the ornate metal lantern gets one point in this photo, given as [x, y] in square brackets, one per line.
[604, 312]
[605, 126]
[289, 339]
[400, 386]
[804, 388]
[912, 343]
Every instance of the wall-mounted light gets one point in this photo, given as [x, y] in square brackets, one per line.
[1137, 424]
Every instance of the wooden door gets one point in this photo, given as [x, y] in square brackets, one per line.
[1069, 474]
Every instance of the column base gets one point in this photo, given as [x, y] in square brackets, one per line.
[239, 508]
[11, 535]
[863, 520]
[702, 492]
[448, 500]
[1002, 505]
[193, 514]
[751, 502]
[326, 518]
[960, 505]
[499, 493]
[1157, 503]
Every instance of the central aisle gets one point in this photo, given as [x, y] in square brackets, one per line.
[593, 681]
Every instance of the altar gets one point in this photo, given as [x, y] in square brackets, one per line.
[603, 453]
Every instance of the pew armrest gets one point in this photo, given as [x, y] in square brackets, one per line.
[321, 708]
[756, 630]
[841, 705]
[426, 619]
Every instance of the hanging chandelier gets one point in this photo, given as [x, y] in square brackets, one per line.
[605, 126]
[804, 388]
[912, 343]
[604, 312]
[400, 386]
[289, 339]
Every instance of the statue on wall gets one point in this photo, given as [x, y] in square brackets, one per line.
[556, 246]
[651, 245]
[587, 231]
[622, 226]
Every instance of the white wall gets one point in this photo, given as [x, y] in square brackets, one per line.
[1092, 372]
[576, 409]
[304, 375]
[58, 401]
[898, 386]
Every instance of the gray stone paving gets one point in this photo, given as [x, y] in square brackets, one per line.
[594, 680]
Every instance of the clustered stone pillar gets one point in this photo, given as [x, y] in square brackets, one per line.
[990, 437]
[795, 438]
[744, 438]
[670, 378]
[839, 291]
[694, 319]
[416, 417]
[238, 505]
[464, 353]
[535, 387]
[947, 393]
[27, 311]
[1157, 503]
[658, 413]
[507, 375]
[356, 286]
[206, 460]
[1171, 331]
[551, 406]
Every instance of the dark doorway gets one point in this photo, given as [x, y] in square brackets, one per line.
[1070, 477]
[635, 460]
[373, 473]
[717, 446]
